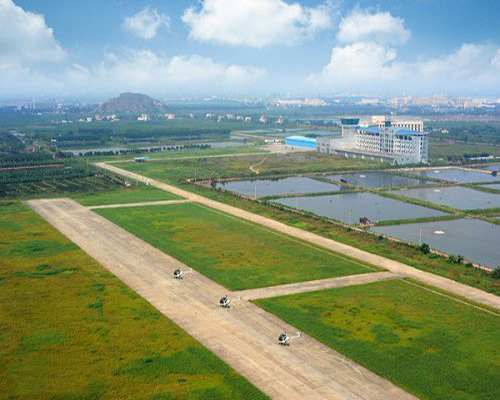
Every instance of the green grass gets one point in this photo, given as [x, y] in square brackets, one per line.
[71, 330]
[215, 151]
[444, 148]
[124, 195]
[234, 253]
[430, 345]
[227, 167]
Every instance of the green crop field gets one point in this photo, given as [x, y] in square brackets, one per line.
[71, 330]
[430, 345]
[124, 195]
[234, 253]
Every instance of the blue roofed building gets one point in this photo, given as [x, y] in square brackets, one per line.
[301, 141]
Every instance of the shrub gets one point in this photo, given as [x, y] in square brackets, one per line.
[424, 248]
[496, 273]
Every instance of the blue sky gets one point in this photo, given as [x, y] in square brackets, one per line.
[253, 47]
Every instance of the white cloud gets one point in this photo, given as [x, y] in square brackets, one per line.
[372, 67]
[145, 71]
[146, 23]
[25, 38]
[381, 27]
[256, 23]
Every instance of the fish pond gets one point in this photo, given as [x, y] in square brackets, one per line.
[377, 179]
[478, 241]
[457, 175]
[277, 187]
[458, 197]
[350, 207]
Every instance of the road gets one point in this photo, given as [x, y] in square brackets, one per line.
[396, 267]
[244, 336]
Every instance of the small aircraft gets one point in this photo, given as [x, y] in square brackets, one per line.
[225, 301]
[179, 273]
[284, 339]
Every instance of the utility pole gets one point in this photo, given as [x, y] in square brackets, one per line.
[349, 217]
[420, 237]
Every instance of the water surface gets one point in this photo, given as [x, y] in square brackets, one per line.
[476, 240]
[358, 205]
[458, 197]
[277, 187]
[457, 175]
[378, 179]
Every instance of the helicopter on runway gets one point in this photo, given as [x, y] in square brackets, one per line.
[225, 301]
[179, 273]
[284, 339]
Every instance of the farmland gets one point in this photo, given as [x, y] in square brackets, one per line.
[428, 344]
[96, 338]
[237, 254]
[42, 174]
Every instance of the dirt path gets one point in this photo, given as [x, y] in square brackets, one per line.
[311, 286]
[144, 203]
[244, 336]
[252, 167]
[396, 267]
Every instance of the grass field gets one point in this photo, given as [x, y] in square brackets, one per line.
[71, 330]
[428, 344]
[449, 148]
[124, 195]
[214, 151]
[234, 253]
[226, 167]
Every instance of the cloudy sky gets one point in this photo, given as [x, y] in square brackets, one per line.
[174, 48]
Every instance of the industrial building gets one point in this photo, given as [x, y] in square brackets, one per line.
[301, 141]
[386, 144]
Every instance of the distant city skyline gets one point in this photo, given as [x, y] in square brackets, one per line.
[249, 48]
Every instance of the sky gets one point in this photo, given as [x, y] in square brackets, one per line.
[172, 48]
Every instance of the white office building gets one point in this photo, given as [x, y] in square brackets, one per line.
[386, 144]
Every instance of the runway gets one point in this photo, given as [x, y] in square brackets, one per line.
[244, 336]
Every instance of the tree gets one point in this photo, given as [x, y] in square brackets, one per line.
[424, 248]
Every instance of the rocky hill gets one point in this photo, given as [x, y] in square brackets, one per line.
[132, 103]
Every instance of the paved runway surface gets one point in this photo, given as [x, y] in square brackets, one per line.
[244, 336]
[311, 286]
[448, 285]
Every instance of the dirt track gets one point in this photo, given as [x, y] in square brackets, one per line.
[396, 267]
[244, 336]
